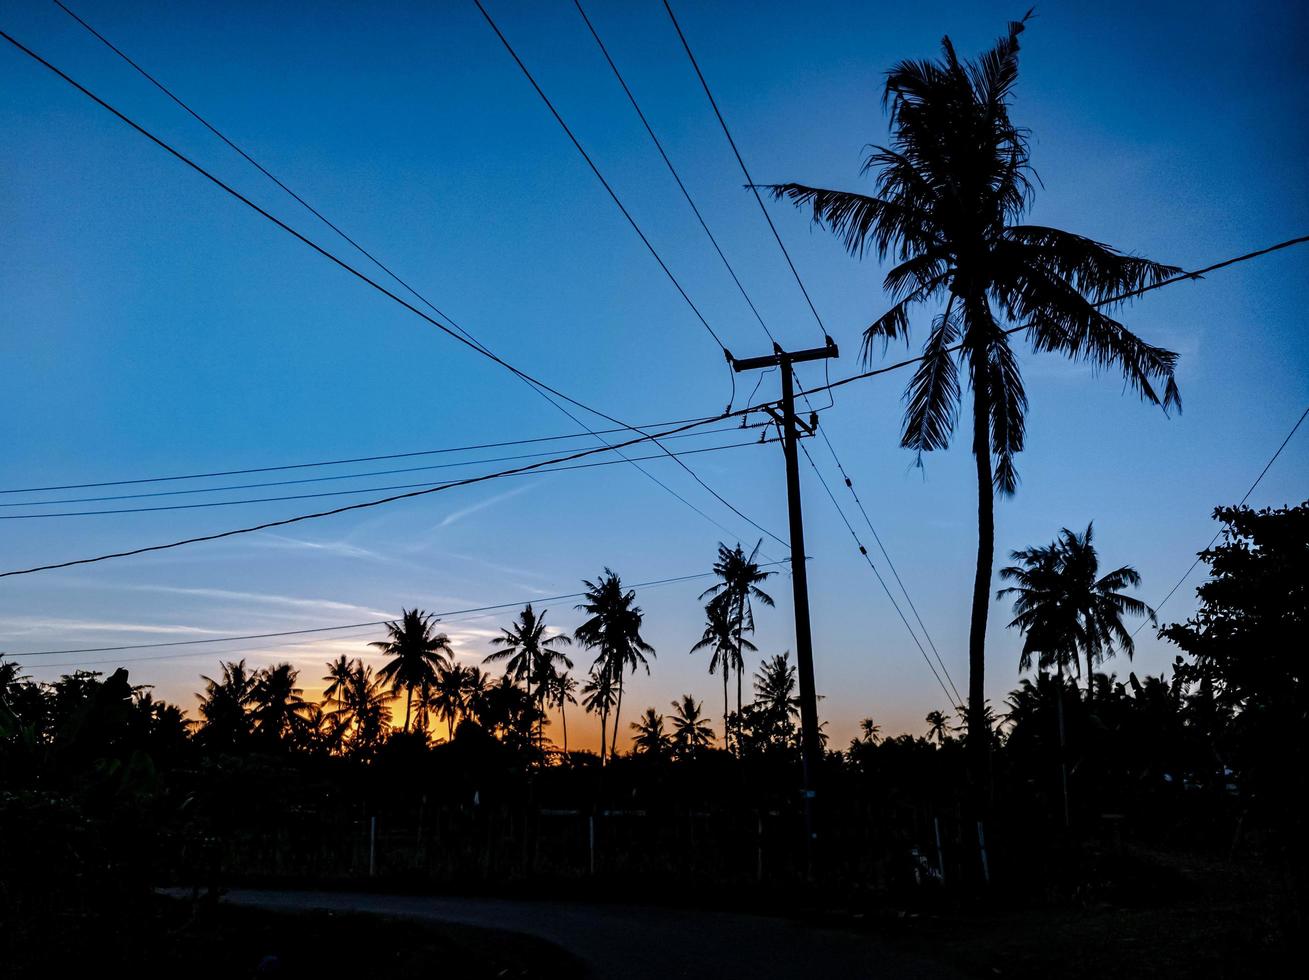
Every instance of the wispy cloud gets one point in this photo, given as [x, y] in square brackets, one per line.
[295, 602]
[455, 516]
[40, 624]
[342, 548]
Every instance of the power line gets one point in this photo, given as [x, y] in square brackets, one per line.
[328, 479]
[722, 121]
[353, 507]
[473, 345]
[642, 438]
[1257, 481]
[373, 258]
[956, 701]
[351, 626]
[744, 169]
[885, 554]
[1181, 277]
[342, 493]
[333, 462]
[599, 176]
[673, 170]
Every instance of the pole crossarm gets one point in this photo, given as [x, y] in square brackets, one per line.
[780, 358]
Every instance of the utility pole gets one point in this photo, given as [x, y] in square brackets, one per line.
[810, 750]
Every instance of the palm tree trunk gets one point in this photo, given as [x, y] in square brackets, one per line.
[604, 734]
[563, 720]
[1090, 677]
[740, 662]
[618, 710]
[1063, 762]
[409, 700]
[979, 737]
[726, 741]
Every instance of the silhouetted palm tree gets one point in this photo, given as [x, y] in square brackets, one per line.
[476, 683]
[949, 194]
[776, 705]
[277, 709]
[869, 730]
[939, 723]
[366, 702]
[650, 738]
[598, 696]
[1066, 609]
[531, 656]
[450, 696]
[1098, 602]
[690, 732]
[561, 691]
[736, 591]
[614, 628]
[1041, 609]
[417, 654]
[225, 706]
[725, 641]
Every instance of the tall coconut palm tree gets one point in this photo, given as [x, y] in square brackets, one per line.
[614, 629]
[736, 591]
[725, 642]
[949, 195]
[690, 731]
[531, 656]
[561, 691]
[417, 653]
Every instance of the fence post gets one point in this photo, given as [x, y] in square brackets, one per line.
[940, 855]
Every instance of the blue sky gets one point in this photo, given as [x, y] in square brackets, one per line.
[152, 325]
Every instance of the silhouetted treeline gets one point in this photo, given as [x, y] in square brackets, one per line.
[265, 783]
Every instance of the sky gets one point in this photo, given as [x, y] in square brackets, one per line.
[150, 325]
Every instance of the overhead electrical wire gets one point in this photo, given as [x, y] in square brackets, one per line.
[467, 481]
[744, 169]
[334, 477]
[673, 170]
[332, 462]
[605, 183]
[1259, 479]
[736, 413]
[531, 383]
[777, 237]
[956, 701]
[473, 345]
[343, 493]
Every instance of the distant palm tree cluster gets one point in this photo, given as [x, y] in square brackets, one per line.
[357, 710]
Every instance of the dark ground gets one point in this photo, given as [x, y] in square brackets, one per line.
[171, 939]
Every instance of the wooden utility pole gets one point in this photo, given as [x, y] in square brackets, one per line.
[810, 748]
